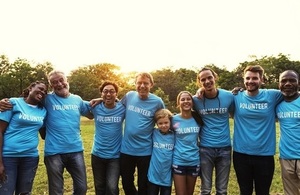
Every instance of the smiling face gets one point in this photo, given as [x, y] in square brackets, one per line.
[37, 93]
[163, 124]
[143, 85]
[109, 95]
[289, 84]
[59, 84]
[185, 101]
[207, 80]
[252, 81]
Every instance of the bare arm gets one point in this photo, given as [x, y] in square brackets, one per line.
[42, 132]
[236, 90]
[95, 102]
[5, 104]
[89, 115]
[200, 93]
[3, 126]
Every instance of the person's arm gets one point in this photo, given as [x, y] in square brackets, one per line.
[89, 115]
[231, 109]
[236, 90]
[200, 93]
[95, 102]
[3, 126]
[42, 132]
[5, 104]
[86, 110]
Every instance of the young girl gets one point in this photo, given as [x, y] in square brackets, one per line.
[186, 159]
[160, 169]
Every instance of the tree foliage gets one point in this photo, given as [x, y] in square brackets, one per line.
[172, 82]
[273, 66]
[4, 64]
[85, 81]
[160, 93]
[18, 75]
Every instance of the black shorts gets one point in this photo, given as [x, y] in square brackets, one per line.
[186, 170]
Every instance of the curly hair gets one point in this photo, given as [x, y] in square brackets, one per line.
[26, 91]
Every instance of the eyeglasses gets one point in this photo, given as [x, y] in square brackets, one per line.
[109, 91]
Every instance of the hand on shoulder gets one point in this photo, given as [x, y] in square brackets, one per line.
[5, 104]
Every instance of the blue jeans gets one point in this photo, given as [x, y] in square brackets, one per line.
[106, 175]
[128, 165]
[220, 160]
[20, 172]
[74, 164]
[253, 171]
[154, 189]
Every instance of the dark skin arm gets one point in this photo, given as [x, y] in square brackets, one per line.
[42, 132]
[5, 104]
[3, 126]
[89, 115]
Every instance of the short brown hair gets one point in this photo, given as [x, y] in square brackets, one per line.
[255, 68]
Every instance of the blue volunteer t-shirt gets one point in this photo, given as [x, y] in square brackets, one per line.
[63, 123]
[288, 114]
[108, 130]
[186, 150]
[215, 132]
[160, 168]
[139, 123]
[254, 122]
[21, 137]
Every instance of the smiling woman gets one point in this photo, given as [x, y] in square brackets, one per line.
[19, 139]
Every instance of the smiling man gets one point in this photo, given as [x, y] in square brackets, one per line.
[136, 147]
[254, 138]
[288, 114]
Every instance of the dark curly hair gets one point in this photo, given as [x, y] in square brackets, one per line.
[26, 91]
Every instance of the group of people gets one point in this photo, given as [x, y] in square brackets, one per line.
[162, 147]
[254, 111]
[58, 124]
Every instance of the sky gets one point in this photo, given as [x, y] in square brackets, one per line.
[140, 35]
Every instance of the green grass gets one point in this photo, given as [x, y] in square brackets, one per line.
[40, 183]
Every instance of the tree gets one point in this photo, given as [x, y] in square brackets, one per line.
[184, 78]
[4, 64]
[42, 70]
[16, 76]
[192, 87]
[172, 82]
[273, 66]
[85, 81]
[160, 93]
[22, 72]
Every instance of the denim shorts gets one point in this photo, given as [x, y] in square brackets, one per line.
[186, 170]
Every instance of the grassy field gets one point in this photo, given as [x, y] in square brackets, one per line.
[40, 184]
